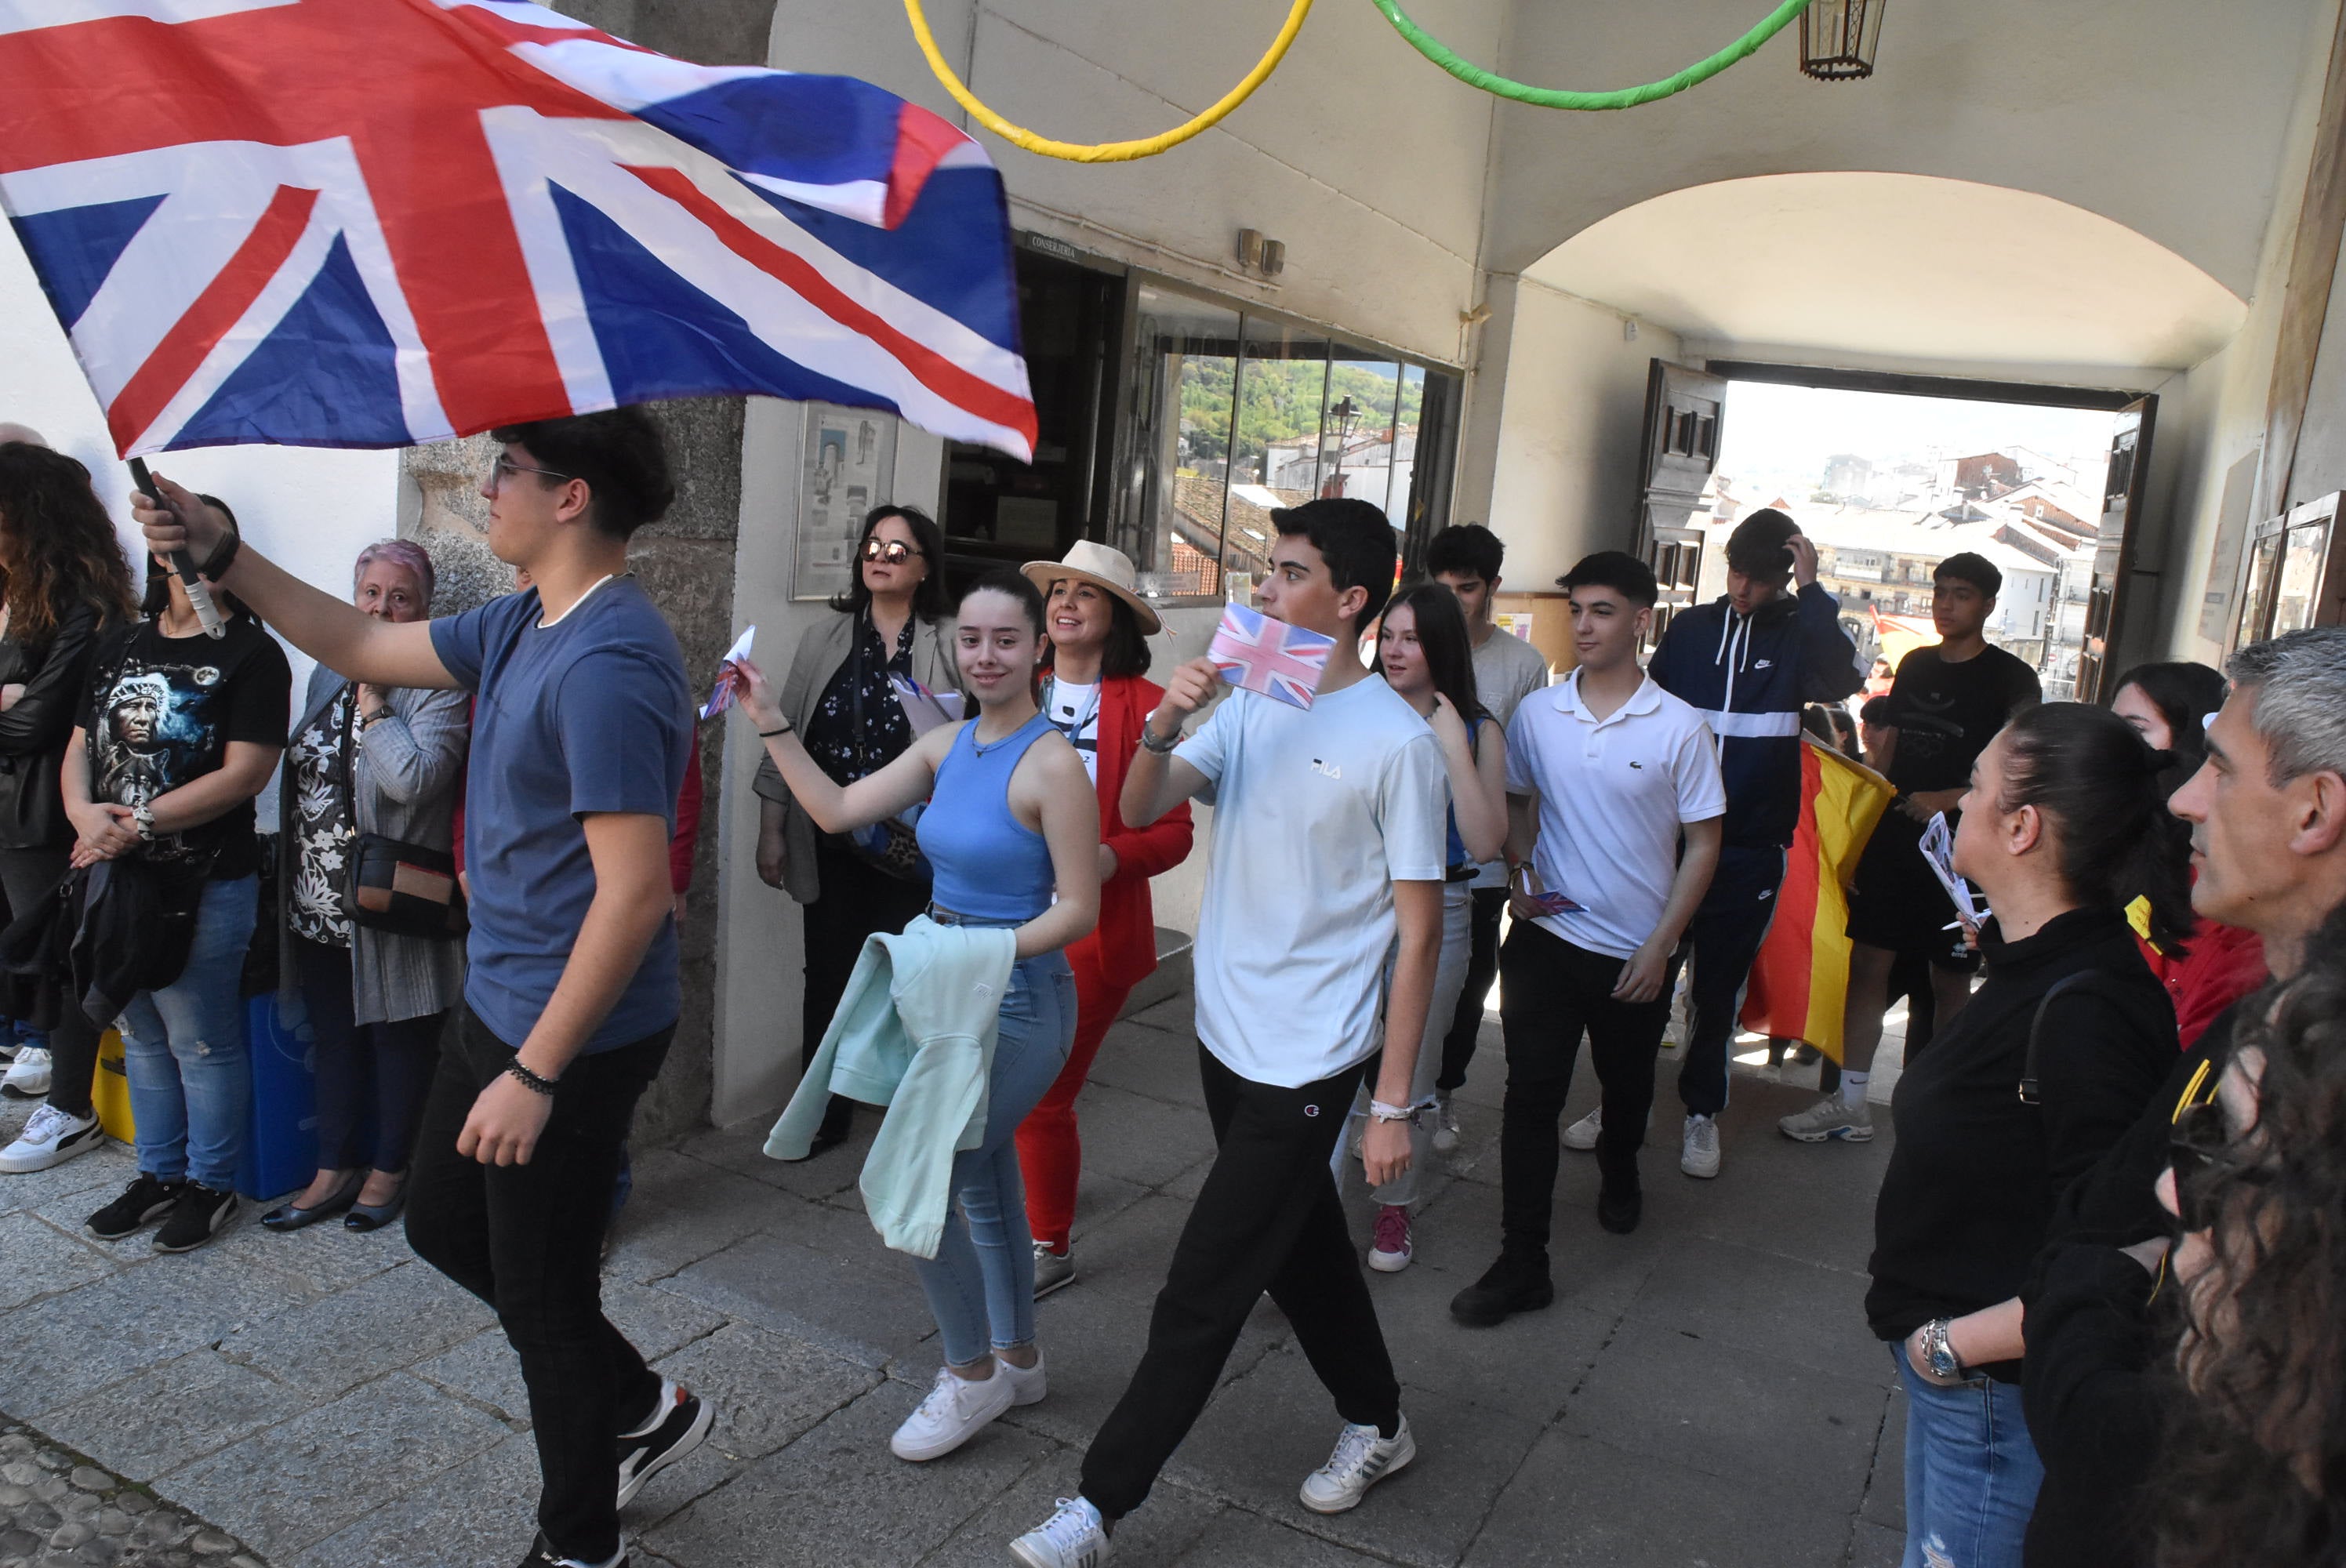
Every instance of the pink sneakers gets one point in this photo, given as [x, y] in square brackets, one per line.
[1390, 1253]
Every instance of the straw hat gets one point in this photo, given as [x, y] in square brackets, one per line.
[1103, 568]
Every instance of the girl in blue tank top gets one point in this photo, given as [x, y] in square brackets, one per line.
[1011, 832]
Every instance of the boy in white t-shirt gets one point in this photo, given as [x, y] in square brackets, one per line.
[1606, 774]
[1327, 853]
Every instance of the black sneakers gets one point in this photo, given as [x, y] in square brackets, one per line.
[1620, 1204]
[200, 1214]
[541, 1555]
[146, 1200]
[677, 1429]
[1517, 1282]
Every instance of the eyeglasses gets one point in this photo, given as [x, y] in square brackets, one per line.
[893, 552]
[501, 468]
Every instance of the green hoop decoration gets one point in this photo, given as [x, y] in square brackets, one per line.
[1473, 76]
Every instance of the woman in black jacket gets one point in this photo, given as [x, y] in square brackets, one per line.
[2052, 1060]
[67, 584]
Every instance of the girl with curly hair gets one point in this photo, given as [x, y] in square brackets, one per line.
[2255, 1466]
[64, 585]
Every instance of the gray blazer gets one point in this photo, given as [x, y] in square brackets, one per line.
[407, 769]
[825, 646]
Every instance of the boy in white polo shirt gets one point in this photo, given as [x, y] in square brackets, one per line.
[1606, 774]
[1327, 852]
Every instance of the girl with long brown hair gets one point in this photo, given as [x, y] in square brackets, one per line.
[63, 585]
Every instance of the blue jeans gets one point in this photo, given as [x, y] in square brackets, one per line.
[981, 1284]
[1972, 1471]
[183, 1047]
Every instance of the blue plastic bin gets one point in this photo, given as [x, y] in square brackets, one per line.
[281, 1143]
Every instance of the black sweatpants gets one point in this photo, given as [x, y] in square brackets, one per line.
[30, 879]
[1553, 991]
[528, 1240]
[1267, 1218]
[1481, 964]
[1724, 937]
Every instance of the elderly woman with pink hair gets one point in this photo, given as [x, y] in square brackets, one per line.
[370, 776]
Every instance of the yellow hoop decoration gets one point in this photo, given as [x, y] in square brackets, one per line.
[1106, 151]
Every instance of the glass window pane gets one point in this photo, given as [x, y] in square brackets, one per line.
[1275, 455]
[1408, 421]
[1357, 437]
[2300, 576]
[1189, 351]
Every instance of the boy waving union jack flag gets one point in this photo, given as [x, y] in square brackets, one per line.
[378, 222]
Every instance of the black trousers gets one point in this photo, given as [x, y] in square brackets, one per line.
[1481, 964]
[385, 1066]
[528, 1240]
[1724, 937]
[1267, 1218]
[1553, 991]
[855, 899]
[30, 879]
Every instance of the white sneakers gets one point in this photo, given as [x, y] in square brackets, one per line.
[1076, 1536]
[1361, 1460]
[28, 1076]
[957, 1406]
[1445, 1124]
[50, 1137]
[1699, 1147]
[1073, 1537]
[1829, 1118]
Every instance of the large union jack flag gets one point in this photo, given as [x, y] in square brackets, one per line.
[378, 222]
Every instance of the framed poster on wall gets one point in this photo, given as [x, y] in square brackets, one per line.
[847, 467]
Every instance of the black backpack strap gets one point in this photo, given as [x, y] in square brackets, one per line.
[2085, 982]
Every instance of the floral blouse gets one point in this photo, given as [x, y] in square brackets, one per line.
[325, 827]
[887, 734]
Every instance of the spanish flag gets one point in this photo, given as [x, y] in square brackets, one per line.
[1799, 982]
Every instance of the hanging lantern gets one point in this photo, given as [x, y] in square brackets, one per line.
[1838, 38]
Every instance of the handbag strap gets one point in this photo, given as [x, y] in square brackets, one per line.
[2085, 982]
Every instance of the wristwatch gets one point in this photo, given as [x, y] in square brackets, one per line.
[142, 815]
[1940, 1352]
[1148, 737]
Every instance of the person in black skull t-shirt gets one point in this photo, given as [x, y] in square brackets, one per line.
[1946, 704]
[178, 732]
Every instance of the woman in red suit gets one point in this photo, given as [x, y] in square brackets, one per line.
[1094, 692]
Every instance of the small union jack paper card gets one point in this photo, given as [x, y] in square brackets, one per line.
[729, 677]
[1255, 653]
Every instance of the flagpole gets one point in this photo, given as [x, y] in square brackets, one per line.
[183, 565]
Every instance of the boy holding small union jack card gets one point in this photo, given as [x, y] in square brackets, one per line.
[1328, 851]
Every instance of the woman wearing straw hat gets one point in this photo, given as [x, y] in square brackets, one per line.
[1096, 694]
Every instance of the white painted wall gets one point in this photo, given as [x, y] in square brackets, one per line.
[308, 509]
[1374, 182]
[1558, 421]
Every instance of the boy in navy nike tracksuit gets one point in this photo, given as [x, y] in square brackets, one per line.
[1750, 661]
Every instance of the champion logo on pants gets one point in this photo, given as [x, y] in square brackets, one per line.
[1311, 1110]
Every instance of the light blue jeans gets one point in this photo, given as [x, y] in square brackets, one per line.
[981, 1284]
[1972, 1471]
[183, 1048]
[1449, 984]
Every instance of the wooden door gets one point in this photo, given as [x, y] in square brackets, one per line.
[2122, 491]
[1684, 409]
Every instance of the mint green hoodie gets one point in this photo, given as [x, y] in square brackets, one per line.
[914, 1032]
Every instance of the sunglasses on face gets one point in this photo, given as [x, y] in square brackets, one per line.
[890, 552]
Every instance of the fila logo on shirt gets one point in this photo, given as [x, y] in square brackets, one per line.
[1327, 770]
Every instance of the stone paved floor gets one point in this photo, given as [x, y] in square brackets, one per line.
[59, 1511]
[1703, 1392]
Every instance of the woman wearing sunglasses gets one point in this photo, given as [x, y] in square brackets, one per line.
[2054, 1058]
[890, 621]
